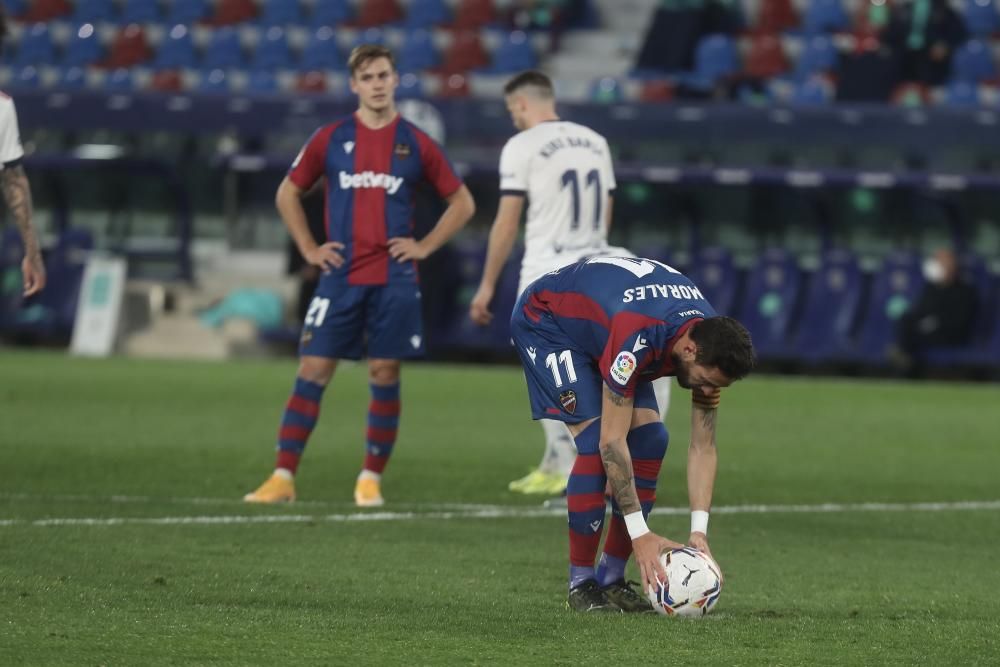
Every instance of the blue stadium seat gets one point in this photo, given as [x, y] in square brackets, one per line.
[120, 80]
[224, 50]
[93, 11]
[273, 51]
[713, 271]
[214, 81]
[983, 348]
[280, 13]
[26, 77]
[714, 58]
[36, 47]
[330, 13]
[15, 7]
[894, 288]
[773, 288]
[369, 36]
[84, 47]
[426, 14]
[410, 87]
[819, 55]
[418, 52]
[73, 78]
[262, 81]
[825, 16]
[514, 54]
[186, 12]
[961, 94]
[321, 52]
[981, 17]
[830, 310]
[973, 62]
[176, 50]
[812, 92]
[140, 11]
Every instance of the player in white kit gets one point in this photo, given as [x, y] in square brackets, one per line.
[564, 172]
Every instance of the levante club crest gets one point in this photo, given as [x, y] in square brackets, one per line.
[568, 401]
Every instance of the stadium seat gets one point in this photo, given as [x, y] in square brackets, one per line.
[981, 17]
[214, 81]
[140, 11]
[119, 80]
[262, 81]
[372, 13]
[713, 271]
[418, 52]
[36, 47]
[454, 85]
[514, 54]
[369, 36]
[176, 50]
[15, 8]
[73, 78]
[961, 94]
[231, 12]
[474, 14]
[819, 56]
[773, 288]
[715, 57]
[311, 82]
[894, 288]
[766, 58]
[910, 94]
[410, 87]
[830, 310]
[167, 81]
[973, 62]
[330, 13]
[426, 14]
[26, 77]
[186, 12]
[224, 50]
[273, 51]
[280, 13]
[825, 16]
[84, 47]
[465, 53]
[656, 90]
[42, 11]
[606, 90]
[320, 52]
[814, 91]
[128, 48]
[775, 16]
[983, 348]
[93, 11]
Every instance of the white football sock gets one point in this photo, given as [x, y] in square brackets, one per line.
[368, 474]
[560, 452]
[661, 387]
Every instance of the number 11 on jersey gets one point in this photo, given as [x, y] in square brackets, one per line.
[571, 178]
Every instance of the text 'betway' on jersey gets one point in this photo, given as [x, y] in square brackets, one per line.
[369, 179]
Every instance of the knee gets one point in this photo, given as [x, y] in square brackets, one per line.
[649, 441]
[383, 371]
[317, 369]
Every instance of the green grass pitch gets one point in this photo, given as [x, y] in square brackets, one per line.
[138, 446]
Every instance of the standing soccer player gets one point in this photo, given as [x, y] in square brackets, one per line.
[591, 337]
[16, 189]
[368, 298]
[564, 171]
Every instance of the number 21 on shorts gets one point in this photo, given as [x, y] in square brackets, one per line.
[317, 311]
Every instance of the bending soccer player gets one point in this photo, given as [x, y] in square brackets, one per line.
[591, 337]
[368, 298]
[565, 172]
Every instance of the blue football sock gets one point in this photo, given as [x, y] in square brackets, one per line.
[610, 569]
[579, 574]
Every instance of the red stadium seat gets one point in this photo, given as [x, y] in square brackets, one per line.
[128, 48]
[42, 11]
[775, 16]
[454, 85]
[911, 94]
[311, 82]
[229, 12]
[472, 14]
[766, 58]
[378, 12]
[465, 52]
[656, 90]
[168, 81]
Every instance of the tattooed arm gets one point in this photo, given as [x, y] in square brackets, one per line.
[702, 456]
[17, 194]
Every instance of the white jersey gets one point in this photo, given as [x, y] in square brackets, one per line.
[10, 137]
[564, 169]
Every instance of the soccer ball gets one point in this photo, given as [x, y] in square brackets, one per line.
[693, 585]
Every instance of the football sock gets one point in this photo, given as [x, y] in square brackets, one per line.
[661, 388]
[297, 423]
[560, 452]
[368, 474]
[585, 504]
[610, 569]
[647, 446]
[383, 423]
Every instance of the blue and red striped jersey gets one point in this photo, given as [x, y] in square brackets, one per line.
[624, 312]
[371, 176]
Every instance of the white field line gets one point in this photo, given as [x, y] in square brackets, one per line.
[493, 512]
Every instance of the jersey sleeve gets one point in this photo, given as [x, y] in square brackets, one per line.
[609, 176]
[437, 169]
[513, 169]
[10, 136]
[633, 340]
[310, 163]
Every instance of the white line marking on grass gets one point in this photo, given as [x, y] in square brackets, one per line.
[492, 512]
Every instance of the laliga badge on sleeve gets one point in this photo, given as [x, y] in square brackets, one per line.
[623, 367]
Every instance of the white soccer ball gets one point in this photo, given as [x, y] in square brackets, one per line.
[693, 585]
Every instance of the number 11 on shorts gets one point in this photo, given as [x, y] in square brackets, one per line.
[552, 363]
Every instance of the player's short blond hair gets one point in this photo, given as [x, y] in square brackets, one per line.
[362, 54]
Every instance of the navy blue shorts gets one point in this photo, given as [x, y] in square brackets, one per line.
[564, 383]
[348, 321]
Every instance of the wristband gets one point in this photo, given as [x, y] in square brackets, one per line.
[699, 521]
[636, 525]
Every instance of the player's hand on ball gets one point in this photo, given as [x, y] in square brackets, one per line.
[406, 249]
[479, 309]
[700, 542]
[647, 550]
[327, 256]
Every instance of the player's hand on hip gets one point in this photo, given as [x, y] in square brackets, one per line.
[700, 542]
[647, 549]
[479, 309]
[327, 256]
[406, 249]
[33, 272]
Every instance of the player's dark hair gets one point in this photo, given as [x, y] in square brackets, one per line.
[541, 84]
[725, 344]
[363, 53]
